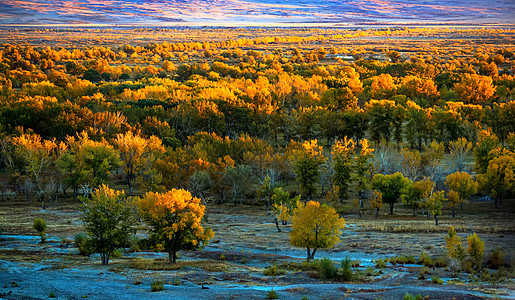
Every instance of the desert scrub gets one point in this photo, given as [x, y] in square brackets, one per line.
[273, 270]
[40, 226]
[157, 286]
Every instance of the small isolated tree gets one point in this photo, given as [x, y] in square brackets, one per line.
[475, 249]
[40, 226]
[283, 206]
[434, 204]
[454, 246]
[175, 221]
[377, 202]
[392, 187]
[343, 154]
[109, 220]
[315, 226]
[461, 188]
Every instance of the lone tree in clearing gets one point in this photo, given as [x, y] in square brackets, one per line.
[315, 226]
[392, 187]
[175, 219]
[109, 220]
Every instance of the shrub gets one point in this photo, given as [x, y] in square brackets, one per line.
[380, 263]
[157, 286]
[327, 269]
[476, 249]
[272, 294]
[496, 259]
[52, 295]
[346, 273]
[436, 280]
[177, 282]
[40, 226]
[83, 243]
[273, 270]
[369, 271]
[409, 296]
[425, 260]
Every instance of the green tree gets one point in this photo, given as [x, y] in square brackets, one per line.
[487, 141]
[315, 226]
[343, 161]
[283, 206]
[435, 204]
[392, 187]
[307, 161]
[175, 221]
[109, 221]
[416, 193]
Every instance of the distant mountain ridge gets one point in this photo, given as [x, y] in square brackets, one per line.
[254, 12]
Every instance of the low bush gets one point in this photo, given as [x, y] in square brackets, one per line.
[497, 258]
[272, 294]
[118, 253]
[327, 269]
[83, 244]
[273, 270]
[157, 286]
[380, 263]
[436, 280]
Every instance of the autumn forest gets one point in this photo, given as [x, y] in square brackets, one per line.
[121, 141]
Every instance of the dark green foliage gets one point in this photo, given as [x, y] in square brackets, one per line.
[83, 243]
[40, 226]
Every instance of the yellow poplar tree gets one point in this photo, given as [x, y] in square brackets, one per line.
[175, 221]
[315, 226]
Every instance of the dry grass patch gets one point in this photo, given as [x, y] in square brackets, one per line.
[163, 265]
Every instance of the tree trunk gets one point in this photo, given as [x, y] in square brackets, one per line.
[391, 208]
[495, 201]
[104, 258]
[377, 212]
[361, 203]
[453, 214]
[436, 220]
[172, 257]
[414, 213]
[277, 225]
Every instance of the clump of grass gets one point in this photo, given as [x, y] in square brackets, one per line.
[52, 295]
[157, 286]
